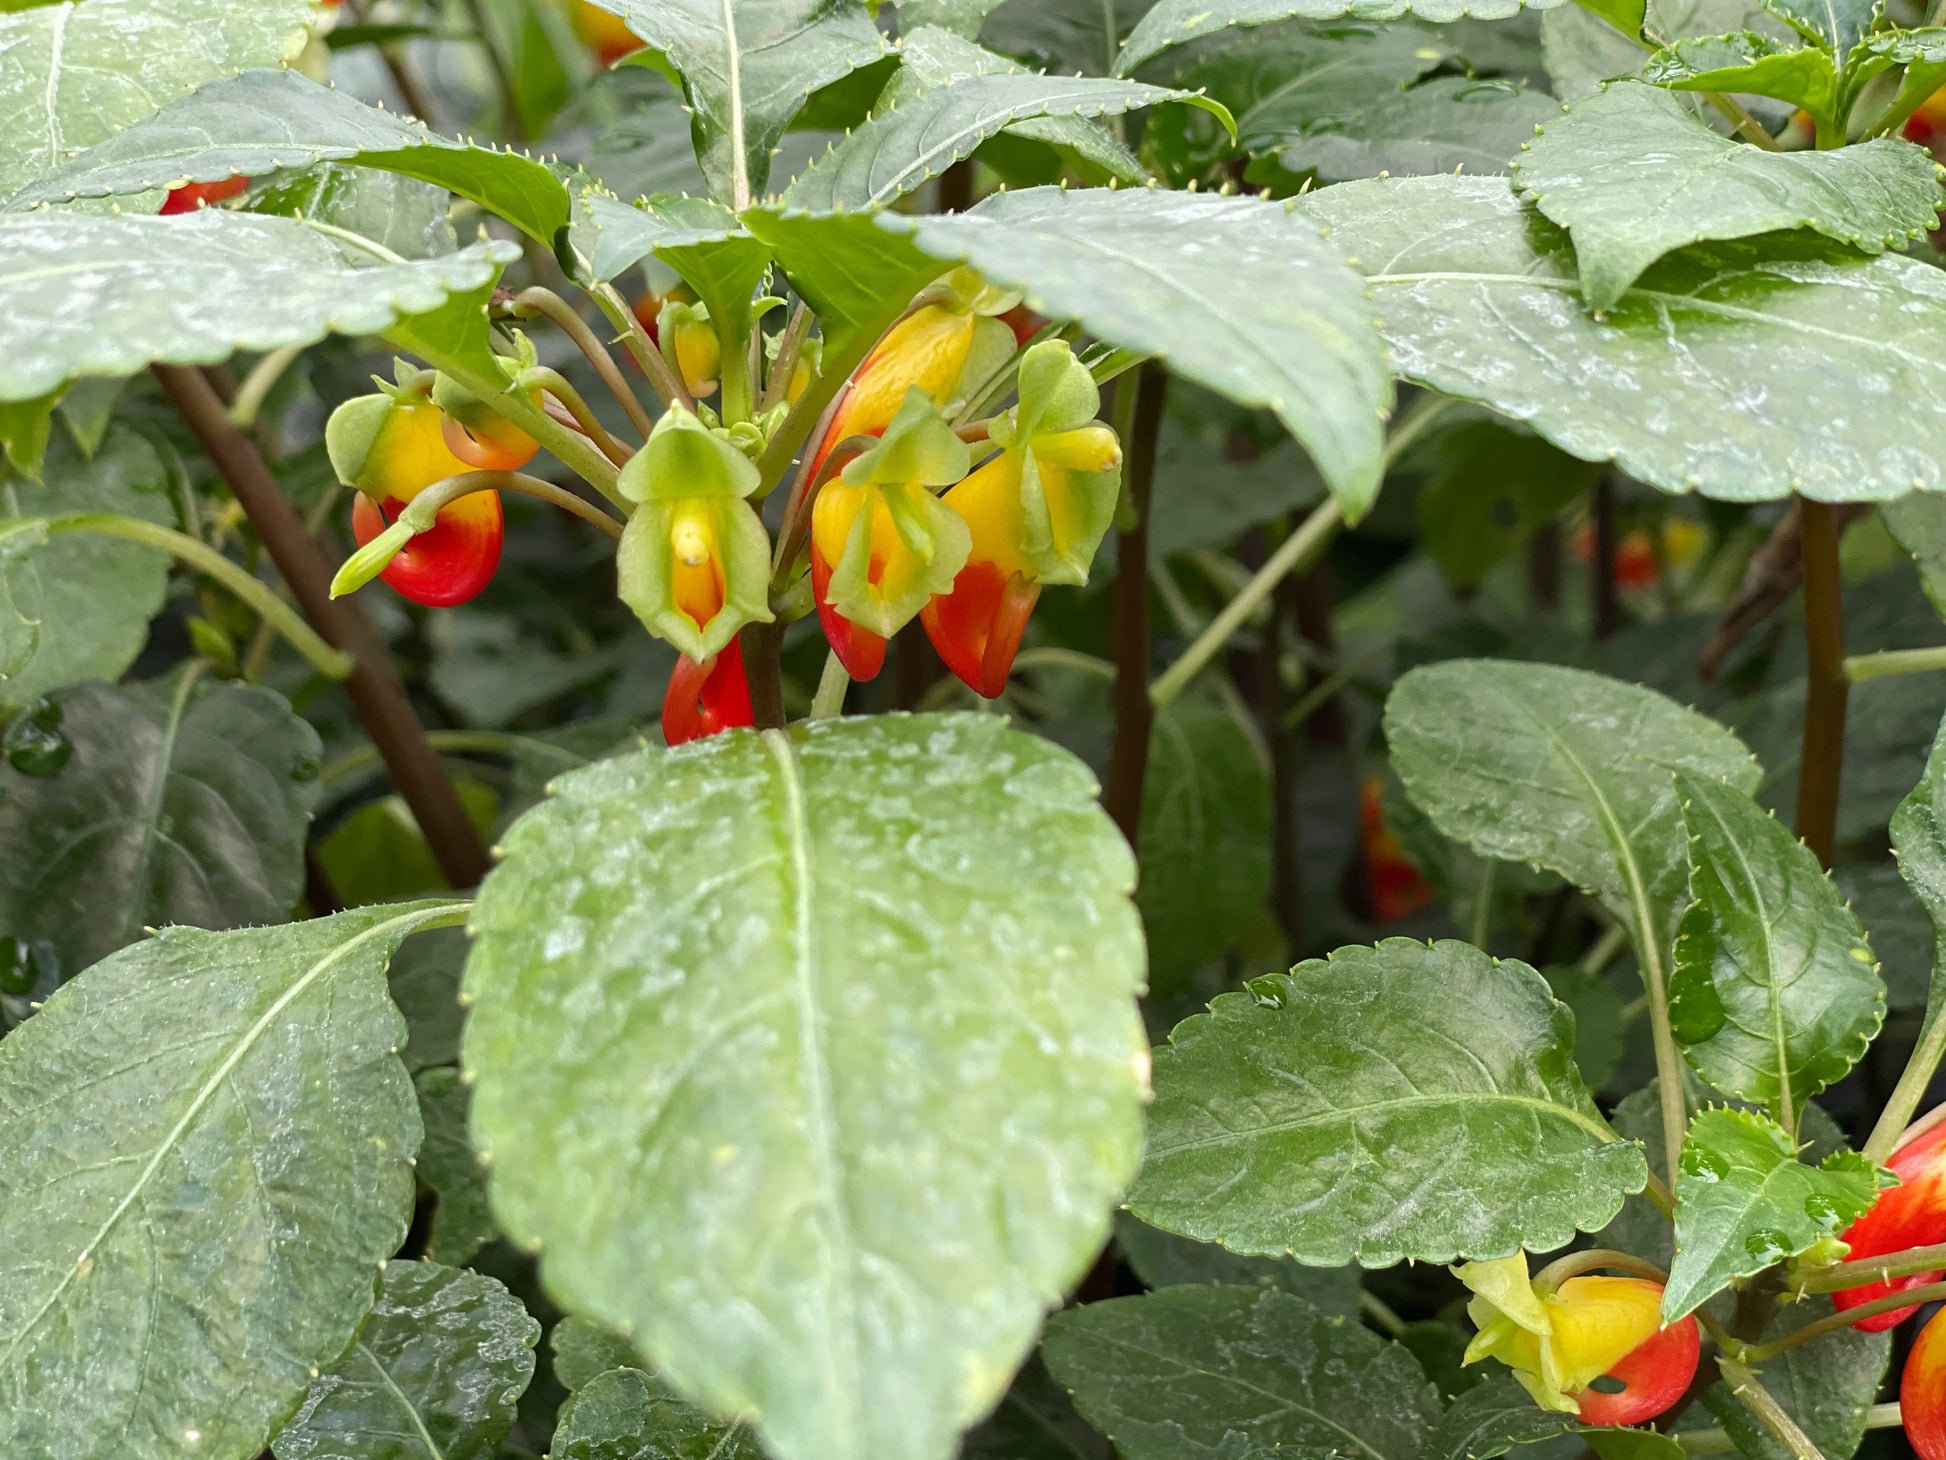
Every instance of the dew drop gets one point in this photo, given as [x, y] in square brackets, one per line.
[34, 743]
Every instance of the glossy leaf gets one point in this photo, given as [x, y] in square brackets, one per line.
[626, 1414]
[1562, 768]
[1404, 1101]
[746, 69]
[919, 137]
[181, 801]
[1173, 23]
[834, 1171]
[1194, 1373]
[172, 1276]
[88, 598]
[1585, 172]
[433, 1375]
[411, 218]
[1774, 994]
[1449, 124]
[1826, 1386]
[1476, 296]
[1744, 1201]
[1498, 1415]
[461, 1222]
[265, 120]
[1749, 61]
[615, 236]
[71, 77]
[961, 17]
[193, 289]
[1205, 838]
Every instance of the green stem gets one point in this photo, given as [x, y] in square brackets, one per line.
[1861, 667]
[548, 304]
[1909, 1298]
[829, 702]
[777, 382]
[1841, 1275]
[1910, 1090]
[1757, 1399]
[1595, 1259]
[557, 385]
[261, 380]
[1055, 658]
[204, 559]
[1382, 1315]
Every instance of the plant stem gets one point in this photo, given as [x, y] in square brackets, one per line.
[1822, 759]
[763, 646]
[1861, 667]
[1138, 420]
[373, 686]
[1909, 1298]
[545, 302]
[589, 424]
[1051, 657]
[1595, 1259]
[1911, 1089]
[1757, 1399]
[667, 383]
[829, 702]
[261, 380]
[777, 382]
[452, 742]
[1606, 947]
[204, 559]
[428, 504]
[1381, 1313]
[1841, 1275]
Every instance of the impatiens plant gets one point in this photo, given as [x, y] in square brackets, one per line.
[1026, 729]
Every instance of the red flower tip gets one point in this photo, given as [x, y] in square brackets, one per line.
[707, 698]
[861, 651]
[1922, 1392]
[188, 197]
[977, 627]
[449, 563]
[1912, 1214]
[1653, 1375]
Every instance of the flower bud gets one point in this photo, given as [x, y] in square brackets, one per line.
[478, 434]
[688, 342]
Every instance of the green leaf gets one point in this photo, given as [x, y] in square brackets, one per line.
[615, 237]
[1835, 25]
[626, 1414]
[1205, 838]
[1803, 76]
[1744, 1202]
[1895, 925]
[961, 17]
[918, 138]
[1236, 294]
[1774, 994]
[1193, 1373]
[89, 597]
[1584, 171]
[461, 1222]
[1445, 125]
[581, 1350]
[172, 1277]
[1036, 1421]
[24, 429]
[181, 802]
[194, 288]
[747, 69]
[1410, 1100]
[1494, 489]
[1564, 769]
[1919, 842]
[873, 1172]
[434, 1374]
[1470, 285]
[1581, 50]
[1918, 524]
[855, 274]
[1827, 1387]
[70, 77]
[1202, 498]
[1494, 1417]
[1164, 1260]
[265, 120]
[425, 985]
[1174, 23]
[411, 218]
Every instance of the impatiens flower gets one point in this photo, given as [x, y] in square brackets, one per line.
[450, 562]
[694, 560]
[188, 197]
[479, 435]
[706, 698]
[881, 543]
[1911, 1214]
[1036, 514]
[1397, 888]
[603, 32]
[1595, 1347]
[688, 342]
[1922, 1392]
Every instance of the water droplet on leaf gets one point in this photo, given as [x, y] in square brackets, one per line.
[34, 743]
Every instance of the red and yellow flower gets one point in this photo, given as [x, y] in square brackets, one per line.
[602, 32]
[707, 698]
[1911, 1214]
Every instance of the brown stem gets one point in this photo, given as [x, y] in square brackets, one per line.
[1544, 567]
[1608, 601]
[1822, 762]
[1134, 714]
[374, 688]
[763, 646]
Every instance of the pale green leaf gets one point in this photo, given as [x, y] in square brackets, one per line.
[1410, 1100]
[614, 236]
[1744, 1202]
[626, 1414]
[747, 69]
[1561, 768]
[1747, 61]
[961, 17]
[861, 1156]
[265, 120]
[1448, 124]
[434, 1373]
[1774, 994]
[1827, 1386]
[193, 289]
[1494, 1417]
[24, 428]
[919, 137]
[181, 801]
[170, 1278]
[461, 1221]
[89, 597]
[72, 75]
[411, 218]
[1585, 172]
[1478, 297]
[1197, 1373]
[1581, 50]
[1172, 23]
[853, 272]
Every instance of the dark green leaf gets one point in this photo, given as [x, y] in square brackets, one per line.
[263, 120]
[1193, 1373]
[182, 802]
[89, 598]
[1470, 288]
[615, 237]
[378, 852]
[1827, 1386]
[1172, 23]
[581, 1350]
[855, 273]
[1072, 36]
[1492, 1418]
[1036, 1421]
[1411, 1100]
[1919, 842]
[425, 985]
[625, 1414]
[747, 70]
[1493, 490]
[1585, 172]
[1449, 124]
[194, 288]
[876, 1170]
[1895, 925]
[171, 1278]
[962, 17]
[1745, 1202]
[1774, 994]
[461, 1223]
[433, 1375]
[1164, 1260]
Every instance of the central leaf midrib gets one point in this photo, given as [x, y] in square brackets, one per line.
[412, 1410]
[1340, 1113]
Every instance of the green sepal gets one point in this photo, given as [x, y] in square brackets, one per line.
[934, 533]
[353, 431]
[1058, 394]
[918, 447]
[683, 459]
[645, 570]
[372, 559]
[988, 354]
